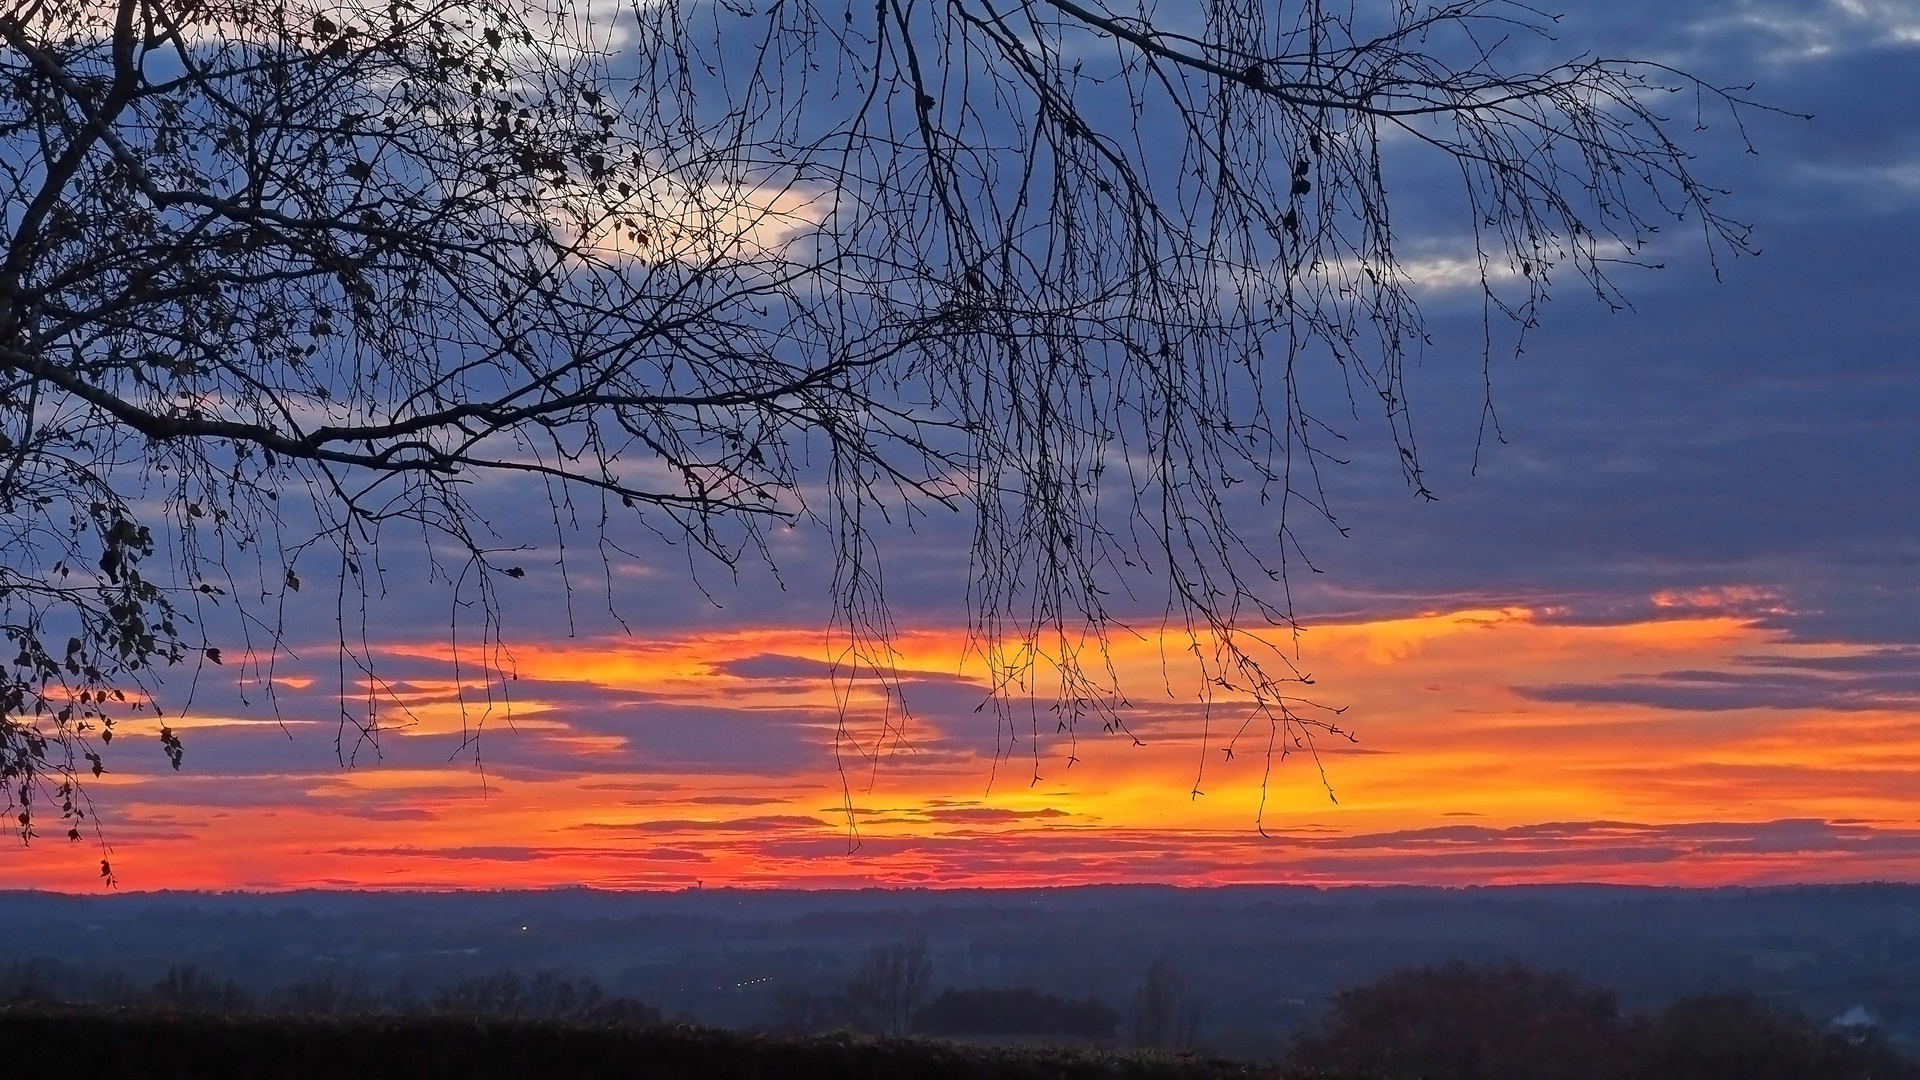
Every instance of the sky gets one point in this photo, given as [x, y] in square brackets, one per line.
[1664, 633]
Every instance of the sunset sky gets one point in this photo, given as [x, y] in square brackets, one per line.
[1667, 633]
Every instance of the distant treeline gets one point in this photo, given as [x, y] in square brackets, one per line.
[886, 993]
[1452, 1022]
[101, 1043]
[1020, 1011]
[884, 997]
[1457, 1022]
[503, 995]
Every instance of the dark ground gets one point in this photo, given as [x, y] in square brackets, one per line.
[84, 1044]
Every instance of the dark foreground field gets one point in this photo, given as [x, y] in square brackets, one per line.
[126, 1045]
[1448, 1023]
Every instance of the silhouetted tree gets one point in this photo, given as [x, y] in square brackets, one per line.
[32, 982]
[330, 992]
[890, 984]
[190, 988]
[290, 290]
[798, 1010]
[1166, 1011]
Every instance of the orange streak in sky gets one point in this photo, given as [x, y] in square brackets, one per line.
[651, 764]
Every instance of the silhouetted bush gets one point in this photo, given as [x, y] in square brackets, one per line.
[622, 1010]
[797, 1010]
[1462, 1023]
[1738, 1038]
[32, 982]
[1022, 1011]
[328, 992]
[1512, 1023]
[42, 981]
[189, 988]
[547, 995]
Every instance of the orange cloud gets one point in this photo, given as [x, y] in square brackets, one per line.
[1691, 750]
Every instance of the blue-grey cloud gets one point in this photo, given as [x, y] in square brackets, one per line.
[1886, 679]
[989, 815]
[774, 666]
[766, 823]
